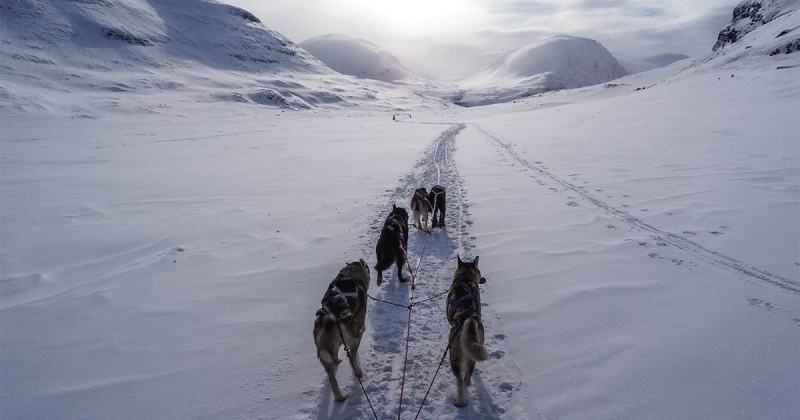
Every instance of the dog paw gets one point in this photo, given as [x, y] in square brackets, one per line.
[340, 398]
[338, 361]
[459, 403]
[359, 374]
[402, 279]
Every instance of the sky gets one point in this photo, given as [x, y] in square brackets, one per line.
[412, 27]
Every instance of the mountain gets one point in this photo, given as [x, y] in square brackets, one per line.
[94, 34]
[356, 57]
[558, 62]
[450, 62]
[86, 57]
[663, 60]
[637, 65]
[752, 14]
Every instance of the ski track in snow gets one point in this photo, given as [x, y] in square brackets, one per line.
[382, 352]
[711, 256]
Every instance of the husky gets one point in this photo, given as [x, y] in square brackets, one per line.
[341, 321]
[420, 207]
[393, 243]
[466, 331]
[437, 199]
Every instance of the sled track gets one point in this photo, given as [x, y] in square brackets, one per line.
[382, 351]
[678, 241]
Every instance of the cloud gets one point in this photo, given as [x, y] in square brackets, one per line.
[598, 4]
[529, 8]
[636, 28]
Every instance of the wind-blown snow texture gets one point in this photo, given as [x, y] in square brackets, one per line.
[559, 62]
[164, 250]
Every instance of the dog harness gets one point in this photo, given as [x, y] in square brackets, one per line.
[420, 196]
[351, 298]
[461, 302]
[346, 295]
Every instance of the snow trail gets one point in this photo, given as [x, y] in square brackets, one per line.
[680, 242]
[382, 351]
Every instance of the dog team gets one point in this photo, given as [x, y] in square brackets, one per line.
[341, 320]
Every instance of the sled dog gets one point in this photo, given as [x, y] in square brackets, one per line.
[341, 321]
[420, 207]
[393, 243]
[466, 331]
[437, 199]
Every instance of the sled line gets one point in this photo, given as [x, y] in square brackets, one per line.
[347, 350]
[409, 306]
[449, 344]
[408, 330]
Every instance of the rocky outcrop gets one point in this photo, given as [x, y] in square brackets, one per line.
[749, 15]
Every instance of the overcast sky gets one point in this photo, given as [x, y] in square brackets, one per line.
[409, 27]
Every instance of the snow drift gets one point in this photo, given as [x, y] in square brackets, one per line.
[558, 62]
[356, 57]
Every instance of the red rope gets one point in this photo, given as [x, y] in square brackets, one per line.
[408, 331]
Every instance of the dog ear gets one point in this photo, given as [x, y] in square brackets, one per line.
[460, 263]
[363, 264]
[394, 207]
[482, 280]
[475, 263]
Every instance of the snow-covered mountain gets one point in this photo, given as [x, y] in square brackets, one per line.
[637, 65]
[356, 57]
[74, 56]
[752, 14]
[103, 34]
[448, 62]
[558, 62]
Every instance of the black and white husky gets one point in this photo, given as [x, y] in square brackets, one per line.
[341, 321]
[420, 208]
[466, 331]
[438, 201]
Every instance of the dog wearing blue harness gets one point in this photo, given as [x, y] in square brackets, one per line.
[466, 331]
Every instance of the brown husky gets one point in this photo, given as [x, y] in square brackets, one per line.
[466, 333]
[341, 321]
[420, 207]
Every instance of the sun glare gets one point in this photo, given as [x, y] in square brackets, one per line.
[413, 17]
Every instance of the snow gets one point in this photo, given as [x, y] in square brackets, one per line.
[637, 65]
[163, 250]
[750, 15]
[355, 57]
[557, 62]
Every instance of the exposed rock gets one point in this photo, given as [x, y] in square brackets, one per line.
[749, 15]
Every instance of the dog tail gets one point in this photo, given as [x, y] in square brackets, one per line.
[384, 264]
[472, 340]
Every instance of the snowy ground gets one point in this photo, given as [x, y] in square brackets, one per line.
[641, 250]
